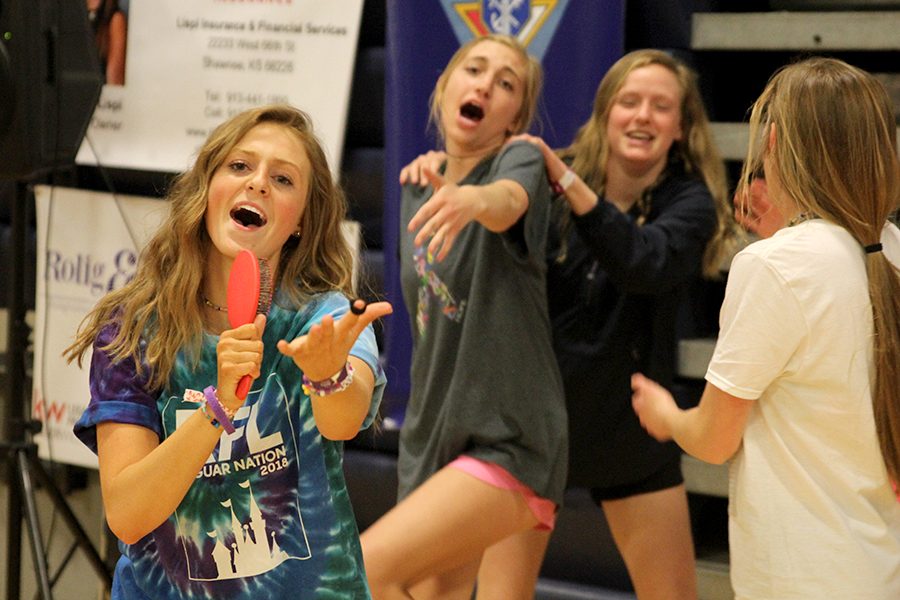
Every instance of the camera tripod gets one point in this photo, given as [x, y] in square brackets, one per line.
[23, 464]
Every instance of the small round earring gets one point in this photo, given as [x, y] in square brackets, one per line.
[296, 234]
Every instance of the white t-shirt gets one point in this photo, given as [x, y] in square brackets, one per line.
[812, 514]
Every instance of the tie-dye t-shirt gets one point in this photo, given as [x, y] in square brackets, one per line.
[268, 515]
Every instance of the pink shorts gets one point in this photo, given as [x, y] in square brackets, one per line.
[544, 510]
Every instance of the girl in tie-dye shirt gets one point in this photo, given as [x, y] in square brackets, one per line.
[213, 496]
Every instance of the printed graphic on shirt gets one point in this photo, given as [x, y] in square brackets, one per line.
[242, 516]
[431, 286]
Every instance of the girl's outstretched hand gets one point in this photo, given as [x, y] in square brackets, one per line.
[239, 352]
[654, 406]
[323, 351]
[444, 215]
[414, 172]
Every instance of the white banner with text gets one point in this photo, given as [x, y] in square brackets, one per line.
[191, 65]
[87, 244]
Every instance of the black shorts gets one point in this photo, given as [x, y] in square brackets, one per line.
[667, 476]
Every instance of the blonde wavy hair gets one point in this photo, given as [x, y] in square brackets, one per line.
[534, 79]
[589, 152]
[161, 308]
[836, 157]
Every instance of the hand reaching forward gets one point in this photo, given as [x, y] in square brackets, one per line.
[444, 215]
[654, 406]
[239, 352]
[323, 351]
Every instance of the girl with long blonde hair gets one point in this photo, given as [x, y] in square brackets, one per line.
[802, 390]
[205, 489]
[483, 444]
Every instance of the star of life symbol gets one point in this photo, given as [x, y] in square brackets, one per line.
[532, 22]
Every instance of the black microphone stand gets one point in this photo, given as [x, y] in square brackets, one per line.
[23, 464]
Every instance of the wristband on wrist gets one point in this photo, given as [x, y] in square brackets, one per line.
[560, 187]
[220, 415]
[338, 382]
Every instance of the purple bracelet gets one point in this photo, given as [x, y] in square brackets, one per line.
[212, 401]
[338, 382]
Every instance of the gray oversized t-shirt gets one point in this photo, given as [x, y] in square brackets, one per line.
[485, 382]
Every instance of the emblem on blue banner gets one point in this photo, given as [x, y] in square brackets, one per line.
[533, 22]
[506, 16]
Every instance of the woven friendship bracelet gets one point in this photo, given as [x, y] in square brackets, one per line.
[338, 382]
[218, 411]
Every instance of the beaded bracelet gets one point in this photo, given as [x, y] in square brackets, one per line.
[205, 411]
[220, 414]
[338, 382]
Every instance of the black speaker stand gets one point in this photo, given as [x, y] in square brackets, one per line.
[21, 451]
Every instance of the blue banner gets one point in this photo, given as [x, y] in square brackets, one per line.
[576, 41]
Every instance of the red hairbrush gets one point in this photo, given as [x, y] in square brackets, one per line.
[249, 294]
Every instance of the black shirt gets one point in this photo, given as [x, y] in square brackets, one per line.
[613, 305]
